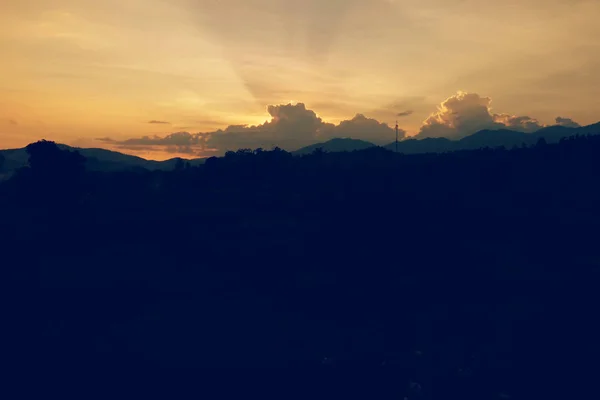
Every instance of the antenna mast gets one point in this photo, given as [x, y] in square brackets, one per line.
[396, 136]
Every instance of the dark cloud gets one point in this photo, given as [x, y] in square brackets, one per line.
[179, 142]
[176, 143]
[105, 140]
[148, 149]
[159, 122]
[567, 122]
[523, 124]
[466, 113]
[173, 139]
[13, 122]
[182, 150]
[404, 113]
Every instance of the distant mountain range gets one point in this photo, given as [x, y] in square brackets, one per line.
[335, 145]
[481, 139]
[96, 160]
[106, 160]
[492, 138]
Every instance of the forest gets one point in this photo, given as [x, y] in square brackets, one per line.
[469, 274]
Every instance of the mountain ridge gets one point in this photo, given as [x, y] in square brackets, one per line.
[335, 145]
[97, 159]
[491, 138]
[484, 138]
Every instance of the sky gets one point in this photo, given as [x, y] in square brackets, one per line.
[194, 78]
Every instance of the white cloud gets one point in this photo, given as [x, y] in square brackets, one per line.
[291, 126]
[361, 127]
[465, 113]
[523, 124]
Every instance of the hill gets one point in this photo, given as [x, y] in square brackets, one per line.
[433, 264]
[336, 145]
[107, 160]
[96, 160]
[491, 138]
[427, 145]
[265, 260]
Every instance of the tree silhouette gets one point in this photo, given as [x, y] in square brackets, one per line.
[541, 142]
[179, 165]
[46, 158]
[482, 260]
[57, 175]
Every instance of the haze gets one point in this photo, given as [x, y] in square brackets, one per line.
[127, 75]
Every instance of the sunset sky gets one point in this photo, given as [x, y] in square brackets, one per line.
[128, 74]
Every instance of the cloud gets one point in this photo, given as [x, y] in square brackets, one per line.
[523, 124]
[291, 126]
[459, 115]
[361, 127]
[404, 113]
[138, 149]
[567, 122]
[173, 139]
[182, 150]
[466, 113]
[105, 140]
[179, 142]
[295, 126]
[12, 122]
[159, 122]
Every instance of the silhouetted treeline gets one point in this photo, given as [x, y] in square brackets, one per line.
[469, 274]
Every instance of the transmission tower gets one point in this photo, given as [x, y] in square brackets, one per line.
[396, 136]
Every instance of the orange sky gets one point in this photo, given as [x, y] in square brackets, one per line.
[74, 71]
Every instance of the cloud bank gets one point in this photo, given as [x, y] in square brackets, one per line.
[291, 126]
[567, 122]
[465, 113]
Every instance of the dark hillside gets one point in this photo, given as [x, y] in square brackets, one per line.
[472, 273]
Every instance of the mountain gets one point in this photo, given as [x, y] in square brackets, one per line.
[553, 134]
[593, 129]
[105, 160]
[485, 138]
[96, 160]
[491, 138]
[427, 145]
[335, 145]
